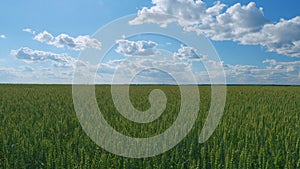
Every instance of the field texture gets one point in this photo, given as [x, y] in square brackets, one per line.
[260, 128]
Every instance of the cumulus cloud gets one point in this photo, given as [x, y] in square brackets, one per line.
[282, 37]
[64, 40]
[187, 53]
[2, 36]
[154, 69]
[136, 48]
[236, 22]
[273, 73]
[274, 62]
[245, 24]
[36, 56]
[284, 66]
[187, 12]
[28, 30]
[147, 70]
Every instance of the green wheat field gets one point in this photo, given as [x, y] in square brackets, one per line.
[260, 128]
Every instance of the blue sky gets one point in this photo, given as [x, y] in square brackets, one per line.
[257, 41]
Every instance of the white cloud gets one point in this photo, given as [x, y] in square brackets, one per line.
[187, 12]
[64, 40]
[283, 66]
[46, 37]
[2, 36]
[237, 21]
[136, 48]
[29, 31]
[187, 53]
[44, 67]
[282, 37]
[273, 73]
[36, 56]
[38, 75]
[144, 69]
[245, 24]
[178, 64]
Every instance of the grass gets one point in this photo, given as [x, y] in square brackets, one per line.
[260, 128]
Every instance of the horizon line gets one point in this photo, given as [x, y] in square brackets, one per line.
[156, 84]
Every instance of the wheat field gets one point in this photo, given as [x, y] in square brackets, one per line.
[260, 128]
